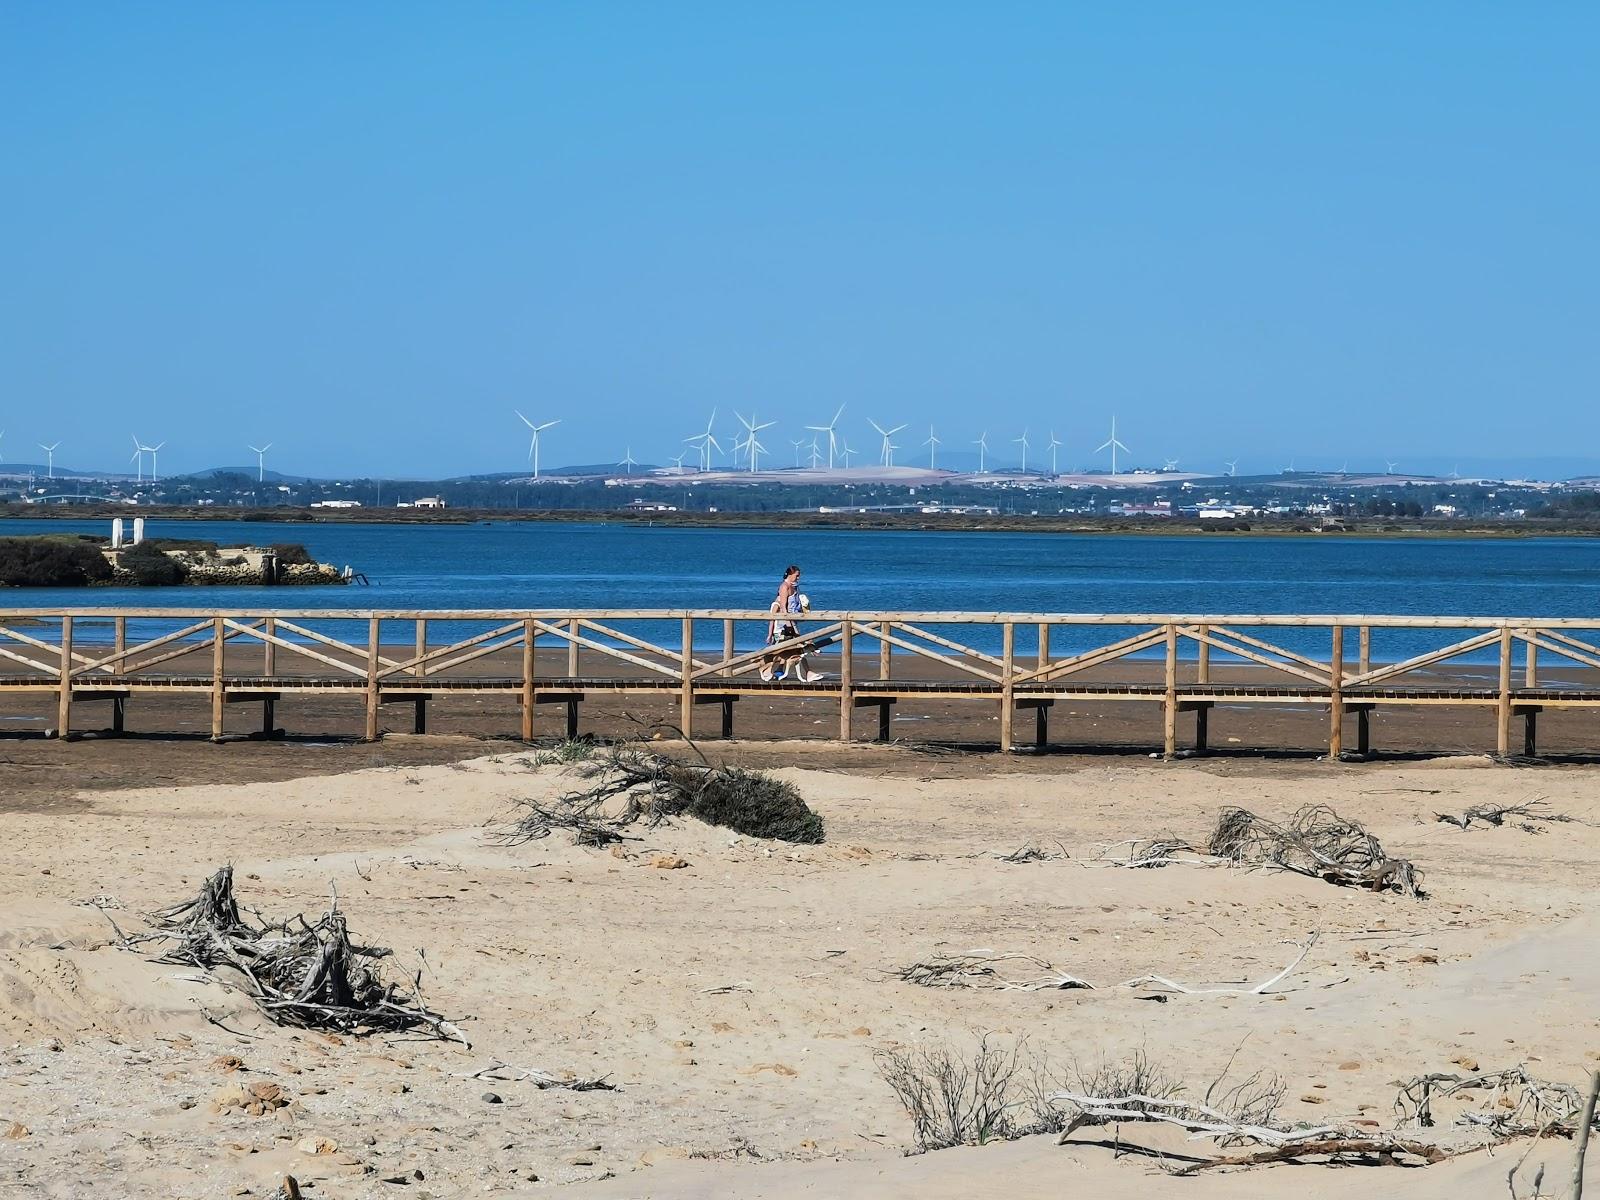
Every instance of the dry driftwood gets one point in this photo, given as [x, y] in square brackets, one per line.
[543, 1080]
[297, 972]
[986, 969]
[1314, 841]
[1326, 1142]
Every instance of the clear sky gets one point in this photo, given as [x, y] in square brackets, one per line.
[367, 231]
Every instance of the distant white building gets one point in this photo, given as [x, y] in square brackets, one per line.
[423, 502]
[336, 504]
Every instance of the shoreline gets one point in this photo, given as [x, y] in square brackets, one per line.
[1269, 527]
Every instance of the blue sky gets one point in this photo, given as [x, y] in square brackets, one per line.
[366, 232]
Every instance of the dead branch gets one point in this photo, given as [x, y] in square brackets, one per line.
[1495, 814]
[1375, 1148]
[1031, 852]
[1314, 841]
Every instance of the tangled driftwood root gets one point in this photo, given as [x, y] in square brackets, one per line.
[302, 973]
[1507, 1103]
[1528, 812]
[1314, 841]
[630, 785]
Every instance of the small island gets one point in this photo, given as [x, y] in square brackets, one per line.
[88, 560]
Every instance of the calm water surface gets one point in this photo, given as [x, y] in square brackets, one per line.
[533, 565]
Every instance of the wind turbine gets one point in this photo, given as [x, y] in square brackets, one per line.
[829, 430]
[51, 460]
[2, 438]
[1389, 467]
[933, 446]
[1170, 464]
[888, 450]
[983, 448]
[138, 461]
[261, 461]
[816, 454]
[1053, 444]
[845, 452]
[1233, 467]
[1113, 445]
[797, 443]
[705, 441]
[678, 462]
[751, 444]
[1023, 441]
[533, 444]
[140, 448]
[628, 461]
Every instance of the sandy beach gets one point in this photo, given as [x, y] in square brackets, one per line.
[738, 1001]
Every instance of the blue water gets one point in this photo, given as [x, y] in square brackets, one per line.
[518, 565]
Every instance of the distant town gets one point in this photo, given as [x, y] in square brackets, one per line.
[1319, 500]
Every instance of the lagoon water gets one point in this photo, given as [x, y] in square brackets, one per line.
[518, 565]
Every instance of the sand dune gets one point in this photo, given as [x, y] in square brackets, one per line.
[737, 1002]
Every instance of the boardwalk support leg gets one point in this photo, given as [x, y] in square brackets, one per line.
[1530, 728]
[1169, 704]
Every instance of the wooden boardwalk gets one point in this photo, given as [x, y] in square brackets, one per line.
[1182, 665]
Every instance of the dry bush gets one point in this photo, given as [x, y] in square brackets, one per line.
[955, 1098]
[653, 787]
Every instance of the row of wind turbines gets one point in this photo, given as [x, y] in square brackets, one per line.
[137, 458]
[748, 448]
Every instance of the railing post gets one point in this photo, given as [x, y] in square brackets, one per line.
[1169, 705]
[1044, 647]
[530, 639]
[219, 699]
[1336, 695]
[269, 652]
[1503, 712]
[421, 669]
[1365, 663]
[120, 624]
[1530, 669]
[64, 700]
[686, 698]
[572, 648]
[1203, 670]
[1007, 684]
[727, 645]
[847, 695]
[372, 679]
[884, 665]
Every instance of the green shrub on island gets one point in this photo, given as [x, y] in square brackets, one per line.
[51, 562]
[292, 554]
[147, 566]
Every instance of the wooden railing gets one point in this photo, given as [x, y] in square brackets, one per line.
[1018, 660]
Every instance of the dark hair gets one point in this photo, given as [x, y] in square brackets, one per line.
[791, 569]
